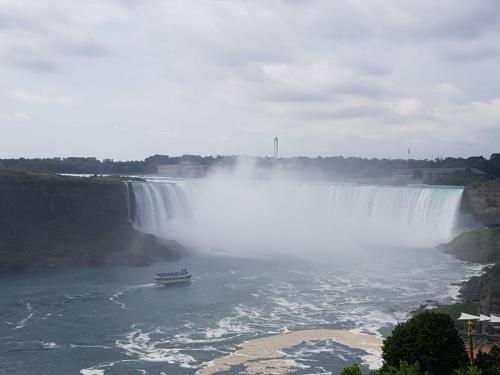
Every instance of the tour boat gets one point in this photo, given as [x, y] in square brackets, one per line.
[168, 278]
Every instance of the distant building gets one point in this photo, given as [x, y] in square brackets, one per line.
[184, 169]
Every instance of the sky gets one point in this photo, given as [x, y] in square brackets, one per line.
[126, 79]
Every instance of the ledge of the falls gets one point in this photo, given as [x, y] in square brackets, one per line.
[55, 221]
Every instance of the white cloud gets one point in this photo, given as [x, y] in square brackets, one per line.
[26, 96]
[16, 117]
[408, 107]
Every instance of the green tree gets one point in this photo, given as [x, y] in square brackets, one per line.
[472, 370]
[489, 363]
[353, 370]
[429, 338]
[417, 174]
[403, 369]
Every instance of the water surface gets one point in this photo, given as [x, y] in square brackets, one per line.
[114, 320]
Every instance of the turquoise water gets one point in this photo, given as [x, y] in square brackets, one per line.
[114, 320]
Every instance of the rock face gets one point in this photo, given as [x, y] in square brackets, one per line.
[483, 246]
[482, 200]
[54, 221]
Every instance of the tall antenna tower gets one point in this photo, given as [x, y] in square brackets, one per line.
[276, 147]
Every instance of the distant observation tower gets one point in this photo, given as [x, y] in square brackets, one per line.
[276, 147]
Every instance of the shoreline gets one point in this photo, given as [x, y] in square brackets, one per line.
[479, 293]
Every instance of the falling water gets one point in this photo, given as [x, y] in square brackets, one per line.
[425, 210]
[158, 203]
[261, 215]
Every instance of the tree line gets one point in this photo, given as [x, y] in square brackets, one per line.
[335, 167]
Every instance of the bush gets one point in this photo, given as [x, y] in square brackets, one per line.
[403, 369]
[353, 370]
[430, 339]
[472, 370]
[489, 363]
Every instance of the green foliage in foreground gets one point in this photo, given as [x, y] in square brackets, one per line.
[353, 370]
[430, 339]
[429, 344]
[472, 370]
[403, 369]
[489, 363]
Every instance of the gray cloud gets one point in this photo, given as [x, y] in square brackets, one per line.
[460, 54]
[37, 65]
[338, 74]
[82, 48]
[345, 114]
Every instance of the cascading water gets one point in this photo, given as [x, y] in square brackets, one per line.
[419, 209]
[157, 204]
[264, 215]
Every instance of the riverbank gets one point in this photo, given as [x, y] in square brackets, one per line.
[479, 294]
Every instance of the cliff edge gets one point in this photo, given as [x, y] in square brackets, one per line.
[57, 221]
[482, 200]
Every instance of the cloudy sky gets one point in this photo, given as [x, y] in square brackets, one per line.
[131, 78]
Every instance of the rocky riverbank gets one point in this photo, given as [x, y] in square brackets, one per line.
[52, 221]
[479, 294]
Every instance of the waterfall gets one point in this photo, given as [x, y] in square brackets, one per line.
[430, 210]
[157, 205]
[289, 214]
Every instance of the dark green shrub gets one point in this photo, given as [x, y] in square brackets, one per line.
[430, 339]
[489, 363]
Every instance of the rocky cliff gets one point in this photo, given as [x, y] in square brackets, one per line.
[53, 221]
[482, 200]
[481, 245]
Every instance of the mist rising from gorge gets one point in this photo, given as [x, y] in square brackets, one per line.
[251, 210]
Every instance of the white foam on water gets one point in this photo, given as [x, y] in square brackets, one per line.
[74, 346]
[140, 344]
[453, 291]
[295, 306]
[22, 323]
[372, 321]
[372, 359]
[91, 371]
[227, 326]
[115, 296]
[50, 345]
[184, 339]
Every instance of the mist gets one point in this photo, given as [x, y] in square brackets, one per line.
[251, 210]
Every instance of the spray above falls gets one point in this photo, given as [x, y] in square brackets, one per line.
[251, 215]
